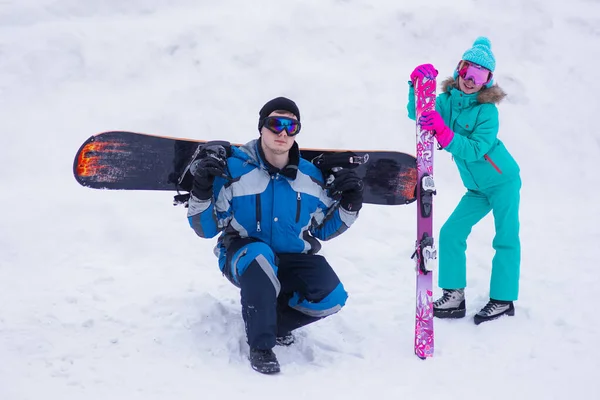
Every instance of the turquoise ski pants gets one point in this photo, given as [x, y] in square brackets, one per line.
[503, 201]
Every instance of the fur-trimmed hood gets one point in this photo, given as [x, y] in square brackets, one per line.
[494, 94]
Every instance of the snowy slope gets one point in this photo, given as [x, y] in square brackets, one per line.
[110, 295]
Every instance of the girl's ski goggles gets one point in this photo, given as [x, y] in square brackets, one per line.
[279, 124]
[474, 72]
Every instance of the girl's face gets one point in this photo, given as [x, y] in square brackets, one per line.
[472, 77]
[468, 86]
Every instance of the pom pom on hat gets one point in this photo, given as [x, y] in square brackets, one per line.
[481, 53]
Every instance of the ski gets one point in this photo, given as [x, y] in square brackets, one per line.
[425, 253]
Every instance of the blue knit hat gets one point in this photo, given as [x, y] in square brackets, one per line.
[481, 54]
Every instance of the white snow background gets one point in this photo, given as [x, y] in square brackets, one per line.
[110, 294]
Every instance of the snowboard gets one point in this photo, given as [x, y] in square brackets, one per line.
[135, 161]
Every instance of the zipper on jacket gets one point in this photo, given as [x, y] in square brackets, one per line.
[492, 163]
[272, 186]
[258, 212]
[298, 205]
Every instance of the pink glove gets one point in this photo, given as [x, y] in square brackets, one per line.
[423, 71]
[432, 120]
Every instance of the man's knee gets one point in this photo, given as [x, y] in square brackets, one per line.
[253, 262]
[328, 305]
[242, 259]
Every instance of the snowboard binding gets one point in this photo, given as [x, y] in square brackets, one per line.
[217, 149]
[331, 163]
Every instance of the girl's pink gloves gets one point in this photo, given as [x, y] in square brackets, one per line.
[423, 71]
[432, 120]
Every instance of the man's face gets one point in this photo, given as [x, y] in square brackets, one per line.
[278, 143]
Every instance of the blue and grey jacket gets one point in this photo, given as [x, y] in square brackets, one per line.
[288, 209]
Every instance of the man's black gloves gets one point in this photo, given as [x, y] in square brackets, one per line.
[211, 162]
[350, 186]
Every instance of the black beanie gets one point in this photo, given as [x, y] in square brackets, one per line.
[279, 103]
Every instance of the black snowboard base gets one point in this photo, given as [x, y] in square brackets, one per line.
[134, 161]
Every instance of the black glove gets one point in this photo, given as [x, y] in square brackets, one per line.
[350, 186]
[211, 162]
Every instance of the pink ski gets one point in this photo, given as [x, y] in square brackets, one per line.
[425, 253]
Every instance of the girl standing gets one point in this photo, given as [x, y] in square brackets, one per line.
[465, 124]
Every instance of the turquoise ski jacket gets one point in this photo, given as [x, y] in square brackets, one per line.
[482, 159]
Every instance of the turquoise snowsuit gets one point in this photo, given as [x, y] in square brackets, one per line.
[491, 176]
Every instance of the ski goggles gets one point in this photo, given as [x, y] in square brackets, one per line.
[474, 72]
[280, 124]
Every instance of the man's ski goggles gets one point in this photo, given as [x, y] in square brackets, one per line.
[474, 72]
[279, 124]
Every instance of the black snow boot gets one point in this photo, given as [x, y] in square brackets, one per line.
[264, 361]
[451, 304]
[494, 309]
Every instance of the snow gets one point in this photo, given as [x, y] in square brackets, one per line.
[110, 295]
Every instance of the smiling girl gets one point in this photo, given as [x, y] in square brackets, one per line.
[465, 124]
